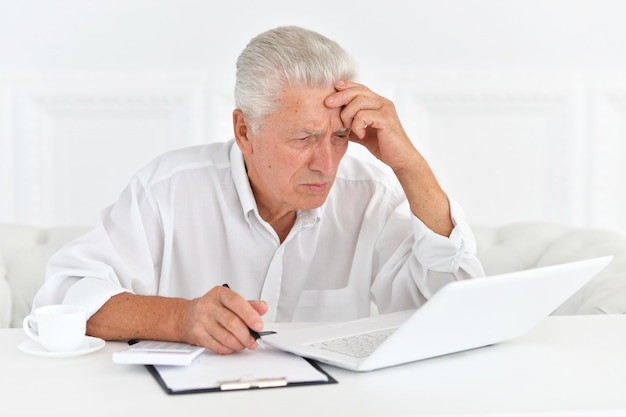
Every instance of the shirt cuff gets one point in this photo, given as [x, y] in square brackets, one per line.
[441, 253]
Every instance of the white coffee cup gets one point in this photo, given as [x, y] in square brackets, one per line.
[59, 328]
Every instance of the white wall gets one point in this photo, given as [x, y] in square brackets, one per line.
[520, 106]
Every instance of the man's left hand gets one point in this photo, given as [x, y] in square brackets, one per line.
[374, 123]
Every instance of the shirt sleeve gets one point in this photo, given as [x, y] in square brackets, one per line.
[440, 253]
[119, 255]
[425, 262]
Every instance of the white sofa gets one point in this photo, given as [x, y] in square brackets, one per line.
[24, 251]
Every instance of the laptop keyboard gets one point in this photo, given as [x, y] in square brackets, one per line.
[357, 346]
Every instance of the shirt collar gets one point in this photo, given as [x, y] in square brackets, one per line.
[240, 179]
[248, 203]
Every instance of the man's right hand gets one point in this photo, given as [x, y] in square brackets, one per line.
[220, 321]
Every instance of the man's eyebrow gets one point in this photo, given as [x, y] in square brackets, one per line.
[307, 132]
[340, 131]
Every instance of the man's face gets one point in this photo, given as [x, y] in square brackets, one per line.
[294, 157]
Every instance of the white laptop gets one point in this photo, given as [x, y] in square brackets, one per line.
[462, 315]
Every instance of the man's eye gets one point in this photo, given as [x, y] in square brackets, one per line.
[301, 141]
[301, 138]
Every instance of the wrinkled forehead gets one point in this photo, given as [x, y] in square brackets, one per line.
[302, 109]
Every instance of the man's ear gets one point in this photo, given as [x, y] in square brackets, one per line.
[240, 126]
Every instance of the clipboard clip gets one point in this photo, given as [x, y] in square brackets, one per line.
[252, 383]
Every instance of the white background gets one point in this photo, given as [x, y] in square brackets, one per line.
[520, 106]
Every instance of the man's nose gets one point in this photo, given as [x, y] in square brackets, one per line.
[323, 156]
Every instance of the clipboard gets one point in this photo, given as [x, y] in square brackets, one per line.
[246, 370]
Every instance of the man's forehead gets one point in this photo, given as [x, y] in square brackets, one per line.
[301, 109]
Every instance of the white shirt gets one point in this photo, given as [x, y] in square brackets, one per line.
[188, 222]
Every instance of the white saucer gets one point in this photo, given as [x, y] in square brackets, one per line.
[90, 344]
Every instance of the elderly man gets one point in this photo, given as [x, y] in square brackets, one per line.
[280, 214]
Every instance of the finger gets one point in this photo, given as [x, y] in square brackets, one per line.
[232, 318]
[260, 306]
[214, 345]
[345, 93]
[235, 335]
[210, 333]
[342, 85]
[353, 114]
[363, 122]
[242, 308]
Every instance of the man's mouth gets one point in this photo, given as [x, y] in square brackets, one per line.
[317, 187]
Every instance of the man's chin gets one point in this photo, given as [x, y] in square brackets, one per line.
[313, 202]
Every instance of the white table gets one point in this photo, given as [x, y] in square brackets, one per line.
[568, 365]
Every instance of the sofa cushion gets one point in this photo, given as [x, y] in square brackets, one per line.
[25, 253]
[530, 245]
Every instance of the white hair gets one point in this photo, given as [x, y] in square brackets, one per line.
[286, 56]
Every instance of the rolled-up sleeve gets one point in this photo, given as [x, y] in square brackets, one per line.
[441, 253]
[425, 262]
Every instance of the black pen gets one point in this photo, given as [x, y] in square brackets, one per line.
[256, 335]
